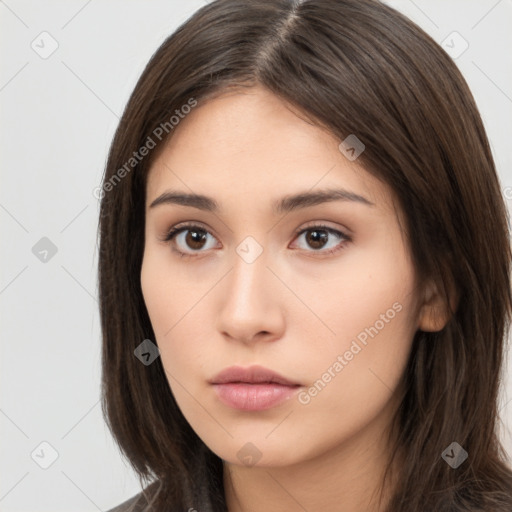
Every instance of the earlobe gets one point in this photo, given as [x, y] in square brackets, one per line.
[435, 312]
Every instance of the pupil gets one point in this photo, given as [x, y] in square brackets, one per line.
[318, 236]
[194, 241]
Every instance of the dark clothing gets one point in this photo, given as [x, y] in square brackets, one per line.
[137, 503]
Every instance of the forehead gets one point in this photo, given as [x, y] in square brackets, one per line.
[250, 143]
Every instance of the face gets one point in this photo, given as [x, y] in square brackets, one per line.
[319, 291]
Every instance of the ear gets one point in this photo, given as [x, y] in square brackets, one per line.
[435, 312]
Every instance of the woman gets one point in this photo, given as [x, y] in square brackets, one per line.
[304, 269]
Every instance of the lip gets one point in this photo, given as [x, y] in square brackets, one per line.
[255, 388]
[251, 375]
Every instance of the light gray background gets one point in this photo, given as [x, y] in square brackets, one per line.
[58, 117]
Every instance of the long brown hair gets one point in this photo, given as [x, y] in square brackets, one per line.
[354, 67]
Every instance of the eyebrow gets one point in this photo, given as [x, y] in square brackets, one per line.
[285, 204]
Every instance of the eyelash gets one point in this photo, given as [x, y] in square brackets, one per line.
[175, 230]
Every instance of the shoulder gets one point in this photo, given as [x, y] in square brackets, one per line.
[146, 501]
[137, 503]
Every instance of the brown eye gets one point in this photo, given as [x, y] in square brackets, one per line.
[318, 238]
[189, 239]
[195, 239]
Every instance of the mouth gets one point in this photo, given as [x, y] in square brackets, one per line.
[252, 389]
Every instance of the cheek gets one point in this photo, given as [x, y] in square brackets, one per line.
[168, 295]
[172, 303]
[372, 337]
[352, 380]
[353, 374]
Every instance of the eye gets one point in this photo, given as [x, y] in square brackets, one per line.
[318, 236]
[188, 235]
[195, 238]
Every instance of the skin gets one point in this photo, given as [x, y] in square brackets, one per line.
[294, 309]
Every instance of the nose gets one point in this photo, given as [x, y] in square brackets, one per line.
[250, 302]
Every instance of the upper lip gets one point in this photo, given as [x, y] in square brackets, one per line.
[251, 375]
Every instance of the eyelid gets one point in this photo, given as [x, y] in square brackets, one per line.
[325, 225]
[183, 226]
[176, 230]
[320, 226]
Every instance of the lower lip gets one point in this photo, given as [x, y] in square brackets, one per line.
[253, 397]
